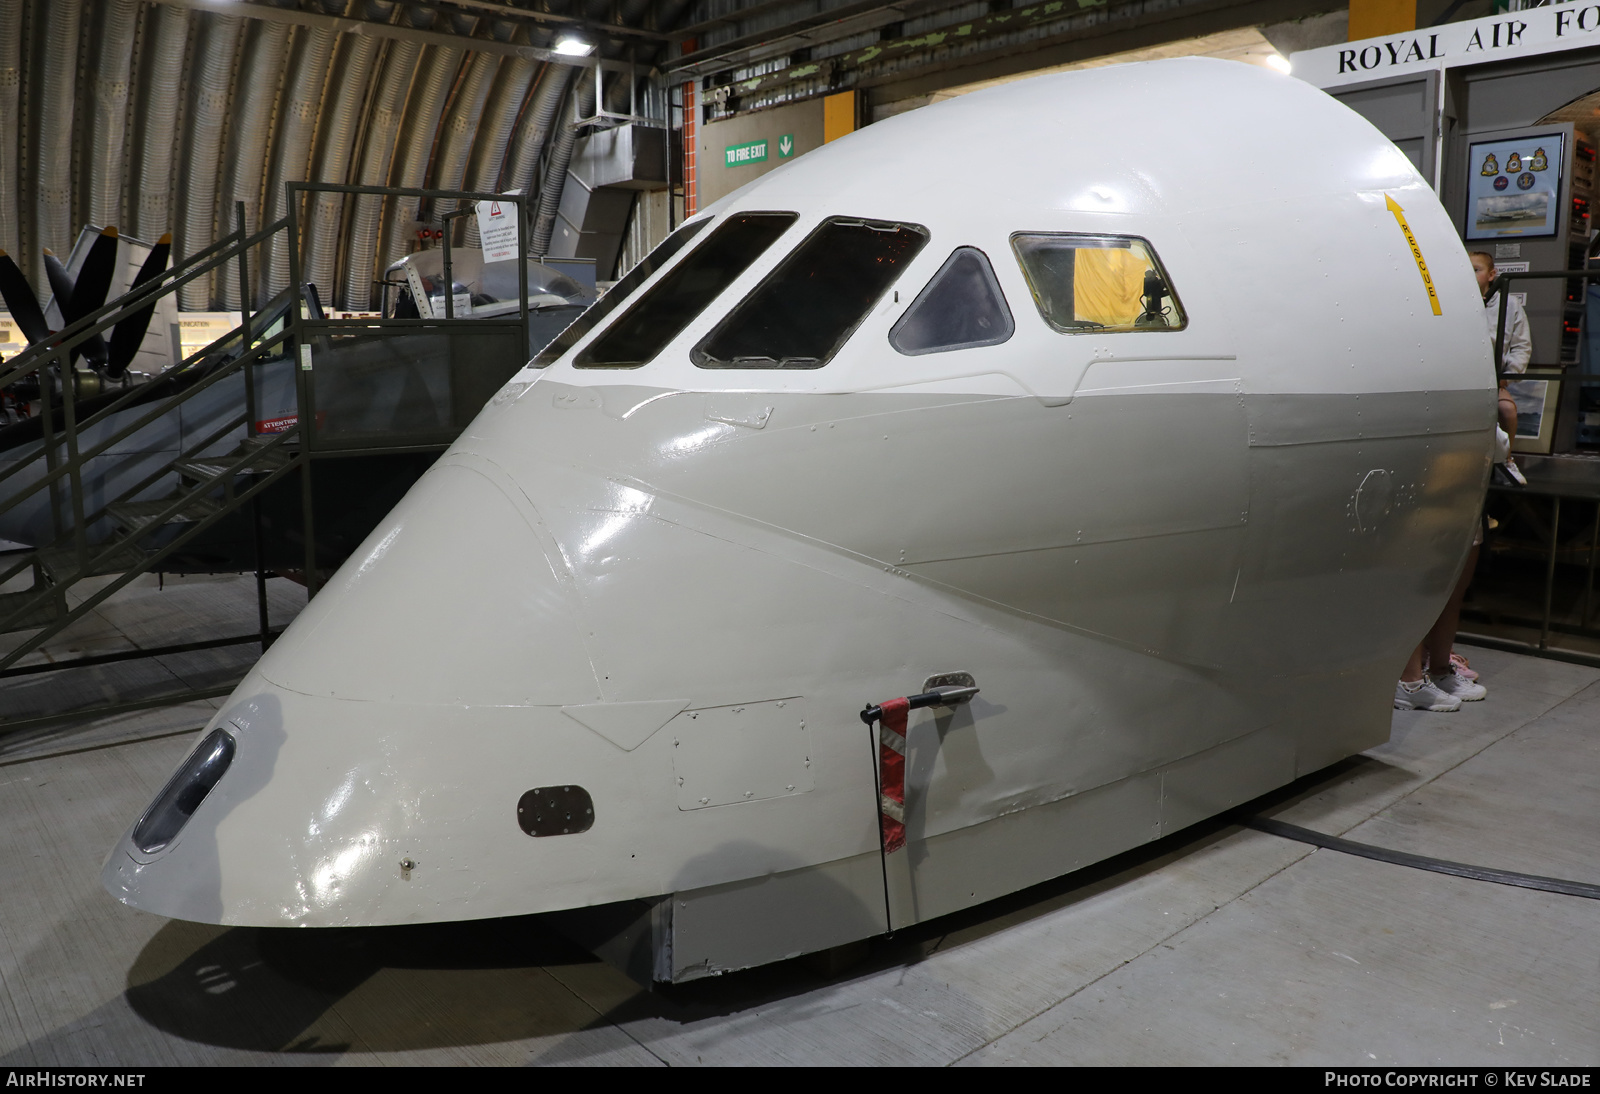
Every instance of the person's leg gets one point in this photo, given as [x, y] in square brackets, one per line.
[1508, 414]
[1413, 670]
[1443, 635]
[1440, 669]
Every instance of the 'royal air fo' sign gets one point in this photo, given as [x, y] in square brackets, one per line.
[1472, 41]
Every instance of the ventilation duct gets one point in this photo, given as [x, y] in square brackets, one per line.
[533, 130]
[608, 169]
[555, 170]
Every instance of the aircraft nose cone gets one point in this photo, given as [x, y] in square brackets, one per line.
[397, 721]
[454, 600]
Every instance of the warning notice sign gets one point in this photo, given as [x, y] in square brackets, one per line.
[497, 230]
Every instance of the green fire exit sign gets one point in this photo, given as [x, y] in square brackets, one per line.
[748, 152]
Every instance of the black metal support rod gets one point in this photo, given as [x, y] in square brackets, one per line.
[69, 424]
[1550, 570]
[262, 612]
[1512, 645]
[1588, 583]
[119, 708]
[304, 388]
[52, 460]
[127, 655]
[522, 269]
[449, 270]
[1500, 328]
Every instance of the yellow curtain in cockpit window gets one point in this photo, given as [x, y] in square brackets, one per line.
[1107, 283]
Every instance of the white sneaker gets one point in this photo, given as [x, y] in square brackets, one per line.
[1423, 695]
[1456, 684]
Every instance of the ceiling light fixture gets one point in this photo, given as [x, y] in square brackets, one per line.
[573, 47]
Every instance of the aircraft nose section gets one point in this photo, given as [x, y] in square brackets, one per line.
[454, 600]
[397, 721]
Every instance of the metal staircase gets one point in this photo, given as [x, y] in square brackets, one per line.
[109, 541]
[147, 529]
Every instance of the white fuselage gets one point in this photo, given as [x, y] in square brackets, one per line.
[1184, 566]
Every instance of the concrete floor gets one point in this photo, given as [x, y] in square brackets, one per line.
[1218, 945]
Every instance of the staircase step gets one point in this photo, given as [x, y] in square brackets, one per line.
[61, 563]
[38, 616]
[134, 515]
[203, 468]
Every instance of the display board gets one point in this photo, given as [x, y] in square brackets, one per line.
[1514, 186]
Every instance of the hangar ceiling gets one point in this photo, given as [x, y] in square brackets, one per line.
[163, 115]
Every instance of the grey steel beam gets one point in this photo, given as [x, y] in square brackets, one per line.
[739, 15]
[345, 25]
[839, 22]
[1021, 39]
[506, 11]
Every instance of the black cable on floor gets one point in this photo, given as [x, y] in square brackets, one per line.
[1420, 862]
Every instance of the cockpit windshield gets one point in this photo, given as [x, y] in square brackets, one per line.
[674, 301]
[618, 293]
[804, 310]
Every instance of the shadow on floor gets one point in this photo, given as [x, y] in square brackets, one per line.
[274, 990]
[269, 990]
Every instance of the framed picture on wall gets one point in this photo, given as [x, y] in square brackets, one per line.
[1536, 413]
[1514, 187]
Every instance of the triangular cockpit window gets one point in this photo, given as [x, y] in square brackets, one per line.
[960, 308]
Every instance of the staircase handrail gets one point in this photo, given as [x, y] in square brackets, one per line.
[99, 447]
[229, 469]
[132, 392]
[27, 558]
[171, 279]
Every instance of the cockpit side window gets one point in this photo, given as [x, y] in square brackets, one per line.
[805, 310]
[1098, 284]
[687, 289]
[612, 300]
[960, 308]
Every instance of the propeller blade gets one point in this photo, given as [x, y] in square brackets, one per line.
[94, 277]
[20, 301]
[128, 335]
[93, 348]
[60, 283]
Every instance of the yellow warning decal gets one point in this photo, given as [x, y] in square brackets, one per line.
[1416, 252]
